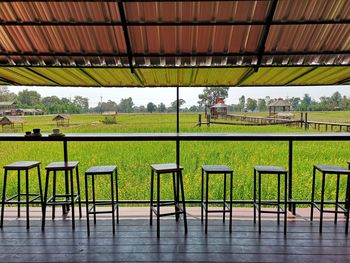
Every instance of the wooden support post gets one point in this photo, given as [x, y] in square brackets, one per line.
[199, 120]
[306, 125]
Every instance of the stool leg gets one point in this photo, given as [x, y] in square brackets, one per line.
[285, 202]
[254, 196]
[278, 197]
[206, 202]
[3, 199]
[259, 196]
[72, 198]
[19, 193]
[117, 194]
[45, 201]
[224, 201]
[347, 204]
[231, 182]
[183, 201]
[322, 201]
[202, 197]
[87, 205]
[336, 200]
[78, 190]
[151, 199]
[27, 198]
[40, 186]
[112, 197]
[65, 208]
[93, 197]
[158, 205]
[176, 199]
[313, 194]
[54, 195]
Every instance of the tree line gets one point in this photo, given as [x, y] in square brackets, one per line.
[79, 104]
[336, 102]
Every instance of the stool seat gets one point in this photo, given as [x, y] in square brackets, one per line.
[105, 169]
[332, 169]
[217, 169]
[270, 169]
[166, 168]
[61, 166]
[22, 165]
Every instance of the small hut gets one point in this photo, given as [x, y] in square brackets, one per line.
[11, 122]
[109, 117]
[61, 120]
[219, 109]
[279, 105]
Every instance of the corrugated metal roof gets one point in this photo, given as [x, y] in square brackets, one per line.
[185, 43]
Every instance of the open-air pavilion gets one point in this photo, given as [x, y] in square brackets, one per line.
[163, 43]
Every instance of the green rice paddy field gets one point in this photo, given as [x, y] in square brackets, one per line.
[134, 158]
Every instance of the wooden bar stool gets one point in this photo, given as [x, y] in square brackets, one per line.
[273, 170]
[101, 171]
[20, 166]
[331, 170]
[227, 208]
[69, 198]
[176, 172]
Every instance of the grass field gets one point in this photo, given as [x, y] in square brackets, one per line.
[133, 158]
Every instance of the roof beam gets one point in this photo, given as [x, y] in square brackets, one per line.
[8, 81]
[126, 34]
[130, 1]
[174, 23]
[110, 66]
[202, 54]
[265, 33]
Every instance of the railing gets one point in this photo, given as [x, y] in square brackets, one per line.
[179, 137]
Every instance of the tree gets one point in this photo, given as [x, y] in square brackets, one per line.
[262, 105]
[242, 103]
[151, 107]
[126, 105]
[173, 105]
[161, 107]
[306, 102]
[251, 104]
[29, 98]
[6, 95]
[82, 103]
[107, 106]
[209, 96]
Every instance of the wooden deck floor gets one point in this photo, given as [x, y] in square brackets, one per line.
[135, 240]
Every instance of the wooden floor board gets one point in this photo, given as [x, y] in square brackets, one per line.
[135, 240]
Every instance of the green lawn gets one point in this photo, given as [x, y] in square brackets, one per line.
[133, 158]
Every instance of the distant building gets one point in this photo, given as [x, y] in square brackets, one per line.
[26, 112]
[219, 109]
[7, 108]
[279, 105]
[61, 120]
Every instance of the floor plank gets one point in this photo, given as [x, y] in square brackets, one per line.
[136, 241]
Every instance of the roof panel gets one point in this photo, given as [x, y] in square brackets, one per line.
[119, 77]
[308, 38]
[324, 76]
[312, 10]
[194, 39]
[196, 11]
[59, 11]
[62, 39]
[23, 76]
[275, 76]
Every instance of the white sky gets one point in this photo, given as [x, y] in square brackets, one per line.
[141, 96]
